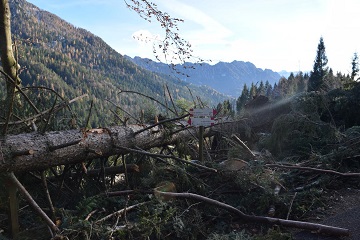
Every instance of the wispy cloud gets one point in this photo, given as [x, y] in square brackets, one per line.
[200, 27]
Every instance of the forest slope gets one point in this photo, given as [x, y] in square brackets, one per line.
[73, 61]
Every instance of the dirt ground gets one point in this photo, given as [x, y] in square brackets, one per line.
[343, 211]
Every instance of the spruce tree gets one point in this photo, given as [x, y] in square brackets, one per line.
[301, 82]
[354, 66]
[268, 88]
[243, 98]
[261, 89]
[320, 70]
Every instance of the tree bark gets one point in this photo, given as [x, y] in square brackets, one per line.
[9, 63]
[35, 151]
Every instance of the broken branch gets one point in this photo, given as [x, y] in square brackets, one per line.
[319, 228]
[314, 169]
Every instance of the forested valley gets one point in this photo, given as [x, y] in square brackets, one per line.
[94, 147]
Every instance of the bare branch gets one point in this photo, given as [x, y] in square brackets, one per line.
[32, 203]
[120, 212]
[314, 169]
[162, 122]
[319, 228]
[155, 100]
[172, 45]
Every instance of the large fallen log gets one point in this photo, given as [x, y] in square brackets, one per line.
[32, 151]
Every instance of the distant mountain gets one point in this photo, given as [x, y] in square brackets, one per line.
[72, 61]
[227, 78]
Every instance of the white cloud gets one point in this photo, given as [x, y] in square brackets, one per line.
[200, 28]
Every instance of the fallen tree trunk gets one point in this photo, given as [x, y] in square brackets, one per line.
[33, 151]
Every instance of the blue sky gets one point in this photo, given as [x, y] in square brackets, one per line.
[273, 34]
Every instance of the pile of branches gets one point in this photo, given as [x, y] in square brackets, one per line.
[245, 190]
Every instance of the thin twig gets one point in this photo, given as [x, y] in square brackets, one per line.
[127, 91]
[162, 122]
[290, 208]
[64, 145]
[137, 120]
[243, 144]
[89, 115]
[166, 104]
[192, 96]
[118, 117]
[121, 211]
[48, 119]
[47, 193]
[90, 214]
[19, 89]
[172, 101]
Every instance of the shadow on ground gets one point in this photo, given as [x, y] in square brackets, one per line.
[345, 214]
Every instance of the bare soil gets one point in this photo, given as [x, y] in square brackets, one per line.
[343, 211]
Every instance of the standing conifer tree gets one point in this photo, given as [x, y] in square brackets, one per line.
[242, 100]
[354, 66]
[320, 70]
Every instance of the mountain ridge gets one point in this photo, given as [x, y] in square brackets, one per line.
[226, 77]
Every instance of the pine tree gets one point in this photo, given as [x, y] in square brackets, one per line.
[242, 100]
[261, 89]
[354, 66]
[301, 82]
[268, 88]
[253, 90]
[320, 70]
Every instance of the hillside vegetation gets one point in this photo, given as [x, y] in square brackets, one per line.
[73, 62]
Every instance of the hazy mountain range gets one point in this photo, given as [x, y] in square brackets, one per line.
[227, 78]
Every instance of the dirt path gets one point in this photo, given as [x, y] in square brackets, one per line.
[343, 211]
